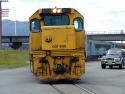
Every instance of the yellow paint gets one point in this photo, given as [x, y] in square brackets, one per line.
[55, 45]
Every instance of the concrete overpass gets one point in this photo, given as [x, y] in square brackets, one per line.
[106, 37]
[97, 37]
[17, 41]
[11, 39]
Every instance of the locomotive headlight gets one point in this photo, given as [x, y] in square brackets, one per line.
[54, 10]
[59, 10]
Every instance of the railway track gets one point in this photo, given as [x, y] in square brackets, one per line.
[70, 89]
[84, 89]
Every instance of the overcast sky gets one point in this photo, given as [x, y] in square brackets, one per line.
[100, 15]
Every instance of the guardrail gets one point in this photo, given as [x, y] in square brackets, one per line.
[105, 32]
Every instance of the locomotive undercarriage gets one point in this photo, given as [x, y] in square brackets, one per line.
[50, 65]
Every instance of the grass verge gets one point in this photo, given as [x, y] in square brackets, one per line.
[13, 58]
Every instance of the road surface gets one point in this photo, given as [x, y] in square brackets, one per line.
[95, 81]
[103, 81]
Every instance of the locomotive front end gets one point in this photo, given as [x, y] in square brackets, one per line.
[57, 44]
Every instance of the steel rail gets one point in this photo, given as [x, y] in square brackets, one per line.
[81, 88]
[84, 89]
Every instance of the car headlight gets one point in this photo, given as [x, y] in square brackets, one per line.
[103, 59]
[117, 59]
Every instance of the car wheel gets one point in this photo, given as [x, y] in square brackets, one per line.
[121, 66]
[103, 66]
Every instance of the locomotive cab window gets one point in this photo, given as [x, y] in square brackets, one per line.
[54, 20]
[35, 25]
[78, 24]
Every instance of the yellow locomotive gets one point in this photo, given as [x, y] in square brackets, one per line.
[57, 44]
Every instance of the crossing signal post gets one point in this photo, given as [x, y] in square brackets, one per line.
[3, 13]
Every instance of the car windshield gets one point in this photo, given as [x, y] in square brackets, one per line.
[114, 52]
[51, 20]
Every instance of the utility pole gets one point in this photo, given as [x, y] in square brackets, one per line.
[15, 26]
[3, 13]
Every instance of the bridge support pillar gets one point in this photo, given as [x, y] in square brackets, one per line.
[16, 45]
